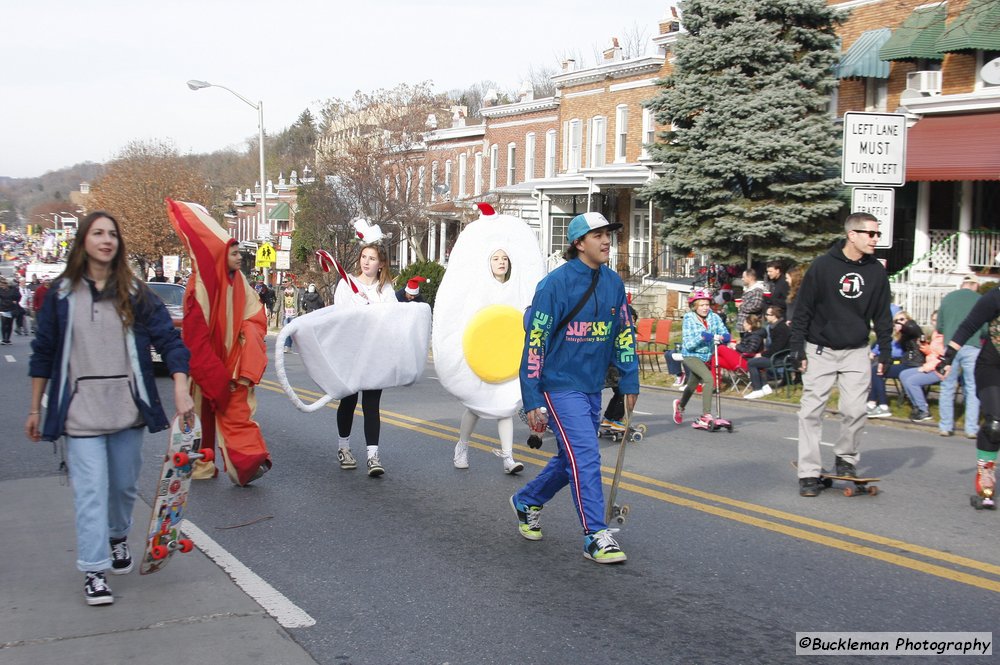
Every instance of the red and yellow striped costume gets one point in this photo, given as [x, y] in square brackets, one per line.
[224, 328]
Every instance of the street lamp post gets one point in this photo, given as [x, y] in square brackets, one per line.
[259, 106]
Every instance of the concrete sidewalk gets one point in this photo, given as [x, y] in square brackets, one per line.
[190, 612]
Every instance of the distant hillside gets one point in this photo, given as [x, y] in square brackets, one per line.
[23, 194]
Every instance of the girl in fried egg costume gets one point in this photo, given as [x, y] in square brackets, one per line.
[478, 330]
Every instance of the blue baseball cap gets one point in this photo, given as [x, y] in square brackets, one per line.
[583, 224]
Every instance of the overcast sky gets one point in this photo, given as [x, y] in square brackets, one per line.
[82, 79]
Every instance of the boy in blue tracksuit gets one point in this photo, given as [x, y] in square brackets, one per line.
[562, 375]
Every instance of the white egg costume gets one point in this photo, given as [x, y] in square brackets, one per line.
[469, 288]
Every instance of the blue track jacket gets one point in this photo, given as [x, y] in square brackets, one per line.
[577, 357]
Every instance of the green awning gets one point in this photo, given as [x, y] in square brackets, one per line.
[916, 38]
[976, 28]
[861, 60]
[279, 213]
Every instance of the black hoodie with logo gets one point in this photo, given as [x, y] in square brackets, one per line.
[839, 300]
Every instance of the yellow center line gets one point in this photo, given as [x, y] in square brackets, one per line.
[447, 433]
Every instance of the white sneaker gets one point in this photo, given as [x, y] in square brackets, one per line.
[880, 411]
[767, 390]
[461, 455]
[756, 394]
[511, 466]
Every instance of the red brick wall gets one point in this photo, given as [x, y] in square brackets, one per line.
[958, 70]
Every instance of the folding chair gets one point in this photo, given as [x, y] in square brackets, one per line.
[644, 336]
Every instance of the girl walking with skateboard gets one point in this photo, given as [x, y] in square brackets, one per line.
[91, 353]
[701, 330]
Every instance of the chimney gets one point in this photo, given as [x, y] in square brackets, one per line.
[671, 23]
[526, 93]
[458, 114]
[613, 54]
[568, 65]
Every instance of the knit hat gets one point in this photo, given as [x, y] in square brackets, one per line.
[413, 285]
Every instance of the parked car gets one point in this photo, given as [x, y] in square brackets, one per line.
[172, 296]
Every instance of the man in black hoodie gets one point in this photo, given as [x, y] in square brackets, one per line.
[843, 293]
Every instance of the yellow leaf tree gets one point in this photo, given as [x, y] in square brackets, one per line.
[133, 189]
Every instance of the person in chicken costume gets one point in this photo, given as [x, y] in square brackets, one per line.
[367, 341]
[478, 329]
[224, 328]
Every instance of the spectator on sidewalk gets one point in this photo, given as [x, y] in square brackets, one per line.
[954, 308]
[906, 354]
[916, 379]
[777, 285]
[753, 298]
[776, 340]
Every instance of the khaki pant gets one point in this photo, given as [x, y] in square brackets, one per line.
[850, 370]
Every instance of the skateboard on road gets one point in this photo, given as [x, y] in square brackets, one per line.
[615, 511]
[163, 537]
[855, 486]
[635, 432]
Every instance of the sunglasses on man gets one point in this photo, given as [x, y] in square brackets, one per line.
[871, 234]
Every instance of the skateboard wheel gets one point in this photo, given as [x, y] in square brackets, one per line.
[637, 437]
[159, 552]
[181, 459]
[641, 428]
[186, 545]
[207, 454]
[623, 511]
[872, 490]
[848, 491]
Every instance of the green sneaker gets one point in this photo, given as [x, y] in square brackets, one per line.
[602, 547]
[527, 518]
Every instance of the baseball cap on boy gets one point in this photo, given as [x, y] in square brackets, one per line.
[583, 224]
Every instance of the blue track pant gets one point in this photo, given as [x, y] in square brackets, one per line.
[574, 417]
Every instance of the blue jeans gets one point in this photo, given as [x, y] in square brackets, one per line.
[288, 340]
[964, 367]
[574, 417]
[913, 381]
[104, 471]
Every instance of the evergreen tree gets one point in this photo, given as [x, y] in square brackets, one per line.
[752, 159]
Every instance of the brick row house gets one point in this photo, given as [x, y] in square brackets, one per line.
[546, 160]
[937, 63]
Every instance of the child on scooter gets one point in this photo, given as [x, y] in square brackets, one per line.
[702, 330]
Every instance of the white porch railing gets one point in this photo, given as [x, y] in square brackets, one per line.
[919, 287]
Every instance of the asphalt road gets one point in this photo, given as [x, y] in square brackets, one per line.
[726, 561]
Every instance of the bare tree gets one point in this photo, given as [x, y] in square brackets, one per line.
[635, 41]
[540, 78]
[370, 151]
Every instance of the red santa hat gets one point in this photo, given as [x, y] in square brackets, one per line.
[413, 285]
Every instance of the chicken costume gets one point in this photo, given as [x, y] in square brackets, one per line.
[364, 341]
[224, 328]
